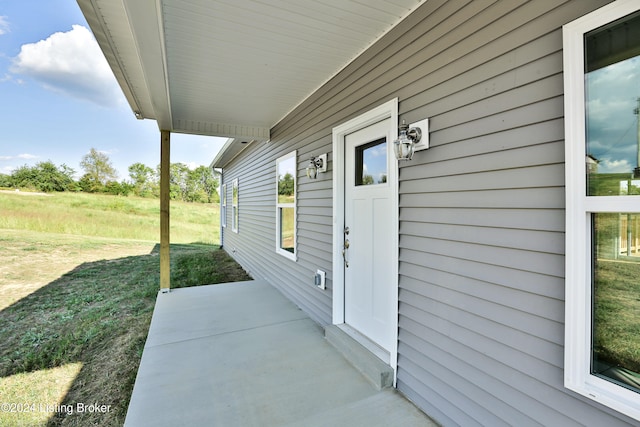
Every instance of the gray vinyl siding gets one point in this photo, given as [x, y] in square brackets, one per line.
[254, 246]
[481, 309]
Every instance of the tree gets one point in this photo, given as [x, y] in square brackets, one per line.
[367, 180]
[44, 176]
[98, 170]
[286, 185]
[202, 185]
[178, 181]
[88, 184]
[198, 185]
[118, 188]
[143, 179]
[5, 180]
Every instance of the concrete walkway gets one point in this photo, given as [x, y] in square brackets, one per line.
[241, 354]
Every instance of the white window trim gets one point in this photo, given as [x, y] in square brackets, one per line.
[223, 201]
[579, 207]
[292, 256]
[235, 214]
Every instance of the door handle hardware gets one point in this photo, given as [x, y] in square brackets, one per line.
[345, 247]
[344, 257]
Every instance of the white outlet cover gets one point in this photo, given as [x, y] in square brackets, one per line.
[323, 276]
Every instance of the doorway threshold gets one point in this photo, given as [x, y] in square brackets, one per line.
[370, 359]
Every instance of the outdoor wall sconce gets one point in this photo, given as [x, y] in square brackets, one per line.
[316, 165]
[410, 139]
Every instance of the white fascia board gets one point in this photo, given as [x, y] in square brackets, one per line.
[145, 18]
[109, 47]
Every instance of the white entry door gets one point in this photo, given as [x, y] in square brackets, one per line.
[369, 219]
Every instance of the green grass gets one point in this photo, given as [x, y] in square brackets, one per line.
[75, 310]
[108, 216]
[616, 327]
[617, 304]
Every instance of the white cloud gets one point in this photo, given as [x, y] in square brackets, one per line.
[379, 150]
[19, 157]
[614, 166]
[4, 25]
[612, 95]
[71, 63]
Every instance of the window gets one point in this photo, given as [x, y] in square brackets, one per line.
[602, 140]
[223, 208]
[371, 163]
[234, 206]
[286, 171]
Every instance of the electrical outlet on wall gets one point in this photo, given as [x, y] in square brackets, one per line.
[320, 279]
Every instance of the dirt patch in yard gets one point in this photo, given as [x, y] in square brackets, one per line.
[29, 262]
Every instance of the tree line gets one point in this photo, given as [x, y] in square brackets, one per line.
[197, 185]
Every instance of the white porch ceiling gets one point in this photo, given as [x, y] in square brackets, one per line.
[232, 68]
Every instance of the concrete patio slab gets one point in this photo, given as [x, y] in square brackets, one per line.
[241, 354]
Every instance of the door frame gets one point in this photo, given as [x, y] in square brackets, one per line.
[388, 110]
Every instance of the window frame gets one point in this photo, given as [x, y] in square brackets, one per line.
[579, 209]
[235, 202]
[287, 254]
[223, 202]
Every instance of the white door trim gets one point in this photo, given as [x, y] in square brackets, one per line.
[382, 112]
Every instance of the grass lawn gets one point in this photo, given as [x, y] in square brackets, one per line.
[102, 215]
[617, 305]
[75, 309]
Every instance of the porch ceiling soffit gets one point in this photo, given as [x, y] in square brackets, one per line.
[232, 68]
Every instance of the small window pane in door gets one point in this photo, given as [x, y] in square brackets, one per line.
[371, 163]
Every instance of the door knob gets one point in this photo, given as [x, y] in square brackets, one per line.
[345, 247]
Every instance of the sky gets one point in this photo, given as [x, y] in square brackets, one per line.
[375, 162]
[612, 127]
[59, 99]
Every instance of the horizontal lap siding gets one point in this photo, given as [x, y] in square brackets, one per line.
[482, 219]
[481, 309]
[254, 246]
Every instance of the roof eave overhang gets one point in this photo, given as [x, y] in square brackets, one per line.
[137, 96]
[133, 37]
[142, 72]
[148, 37]
[230, 150]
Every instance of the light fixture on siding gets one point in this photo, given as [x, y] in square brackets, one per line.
[407, 138]
[411, 138]
[316, 165]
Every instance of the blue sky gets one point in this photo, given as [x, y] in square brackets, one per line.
[612, 127]
[59, 99]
